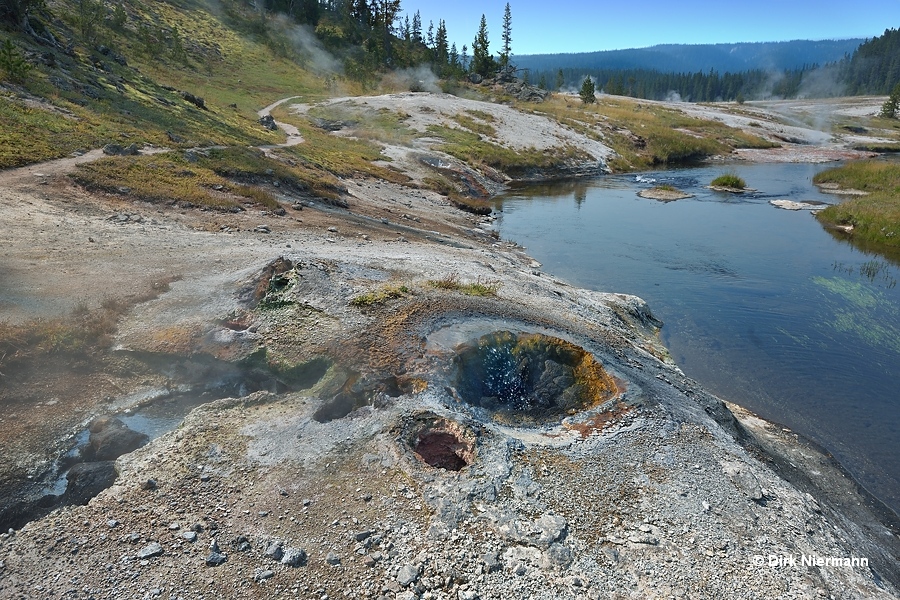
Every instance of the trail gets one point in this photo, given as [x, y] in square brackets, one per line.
[41, 171]
[293, 134]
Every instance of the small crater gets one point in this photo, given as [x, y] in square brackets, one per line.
[442, 443]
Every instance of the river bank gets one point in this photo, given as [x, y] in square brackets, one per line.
[658, 491]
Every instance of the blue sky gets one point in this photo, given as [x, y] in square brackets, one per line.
[585, 26]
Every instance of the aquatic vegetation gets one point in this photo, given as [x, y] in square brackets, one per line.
[729, 180]
[861, 318]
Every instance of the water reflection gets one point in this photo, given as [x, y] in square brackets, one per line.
[761, 305]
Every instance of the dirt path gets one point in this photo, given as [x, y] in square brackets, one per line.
[293, 134]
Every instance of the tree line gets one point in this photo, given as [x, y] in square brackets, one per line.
[873, 68]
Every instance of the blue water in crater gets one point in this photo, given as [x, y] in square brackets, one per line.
[761, 305]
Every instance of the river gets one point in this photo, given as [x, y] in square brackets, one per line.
[761, 305]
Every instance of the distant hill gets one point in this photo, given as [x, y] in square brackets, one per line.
[681, 58]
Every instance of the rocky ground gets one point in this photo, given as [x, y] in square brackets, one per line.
[378, 474]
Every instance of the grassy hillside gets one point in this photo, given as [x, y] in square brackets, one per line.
[186, 74]
[124, 81]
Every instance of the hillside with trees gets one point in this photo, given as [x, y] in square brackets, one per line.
[873, 68]
[691, 58]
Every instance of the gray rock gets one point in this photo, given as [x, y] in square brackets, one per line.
[150, 550]
[408, 574]
[294, 557]
[559, 555]
[190, 536]
[744, 480]
[332, 559]
[263, 575]
[275, 551]
[360, 536]
[491, 561]
[215, 559]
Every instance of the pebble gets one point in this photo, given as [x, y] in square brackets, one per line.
[332, 559]
[215, 559]
[150, 550]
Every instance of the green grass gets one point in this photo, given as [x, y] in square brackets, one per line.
[381, 125]
[479, 287]
[230, 57]
[729, 180]
[667, 187]
[875, 218]
[379, 296]
[338, 155]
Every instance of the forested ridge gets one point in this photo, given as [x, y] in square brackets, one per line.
[873, 68]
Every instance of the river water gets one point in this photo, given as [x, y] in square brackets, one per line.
[761, 305]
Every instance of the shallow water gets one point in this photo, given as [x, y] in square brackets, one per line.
[761, 305]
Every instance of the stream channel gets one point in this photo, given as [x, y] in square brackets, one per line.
[761, 305]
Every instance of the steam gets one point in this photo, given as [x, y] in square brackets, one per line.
[308, 46]
[673, 96]
[416, 79]
[821, 83]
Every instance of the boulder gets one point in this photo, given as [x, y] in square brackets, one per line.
[111, 438]
[268, 122]
[86, 480]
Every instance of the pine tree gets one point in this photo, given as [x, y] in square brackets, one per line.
[464, 58]
[441, 52]
[482, 61]
[417, 28]
[587, 91]
[560, 79]
[13, 65]
[454, 58]
[892, 104]
[506, 51]
[429, 38]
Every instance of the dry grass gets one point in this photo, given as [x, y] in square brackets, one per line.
[380, 296]
[645, 134]
[82, 334]
[480, 287]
